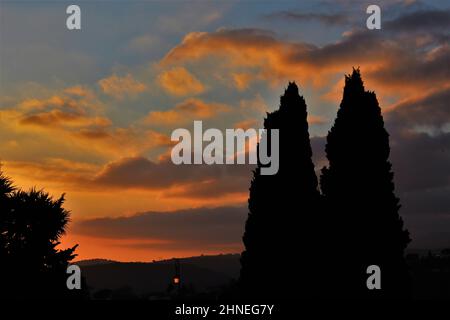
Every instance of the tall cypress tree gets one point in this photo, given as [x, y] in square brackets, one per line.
[280, 233]
[361, 204]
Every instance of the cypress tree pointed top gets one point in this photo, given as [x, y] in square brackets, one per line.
[353, 82]
[292, 89]
[291, 98]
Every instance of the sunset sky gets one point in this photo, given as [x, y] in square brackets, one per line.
[89, 113]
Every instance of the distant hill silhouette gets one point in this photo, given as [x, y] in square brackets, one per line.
[430, 272]
[139, 279]
[93, 262]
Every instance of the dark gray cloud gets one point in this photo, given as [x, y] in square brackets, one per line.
[318, 149]
[402, 60]
[431, 110]
[329, 19]
[429, 231]
[419, 67]
[430, 202]
[358, 46]
[202, 181]
[421, 164]
[420, 161]
[183, 229]
[421, 20]
[398, 59]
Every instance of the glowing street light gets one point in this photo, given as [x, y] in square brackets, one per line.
[176, 280]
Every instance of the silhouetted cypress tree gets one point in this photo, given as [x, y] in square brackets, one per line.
[280, 233]
[359, 192]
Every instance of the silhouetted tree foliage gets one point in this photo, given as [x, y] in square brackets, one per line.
[364, 224]
[31, 223]
[281, 236]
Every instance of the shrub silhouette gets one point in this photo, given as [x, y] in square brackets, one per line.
[31, 224]
[282, 217]
[362, 209]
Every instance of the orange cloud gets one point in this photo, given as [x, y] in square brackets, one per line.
[255, 49]
[55, 101]
[179, 81]
[74, 107]
[54, 174]
[73, 120]
[316, 119]
[194, 182]
[117, 142]
[242, 80]
[185, 112]
[79, 91]
[389, 64]
[120, 87]
[428, 110]
[248, 123]
[58, 117]
[243, 47]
